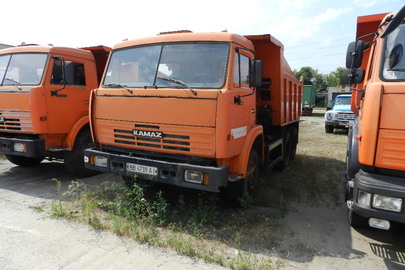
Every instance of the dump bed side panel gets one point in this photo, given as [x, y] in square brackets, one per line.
[281, 92]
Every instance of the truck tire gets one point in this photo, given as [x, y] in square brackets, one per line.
[287, 151]
[74, 160]
[236, 191]
[356, 220]
[352, 160]
[328, 128]
[23, 161]
[294, 139]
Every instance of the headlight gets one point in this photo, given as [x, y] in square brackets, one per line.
[387, 203]
[19, 147]
[193, 176]
[363, 198]
[329, 116]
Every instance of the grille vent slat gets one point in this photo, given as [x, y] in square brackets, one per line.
[15, 120]
[346, 116]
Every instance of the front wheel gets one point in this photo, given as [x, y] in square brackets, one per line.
[352, 153]
[328, 128]
[23, 161]
[355, 220]
[74, 160]
[236, 191]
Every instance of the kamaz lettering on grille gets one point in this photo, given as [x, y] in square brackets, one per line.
[146, 133]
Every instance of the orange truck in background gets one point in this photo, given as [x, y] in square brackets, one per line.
[44, 99]
[375, 167]
[195, 110]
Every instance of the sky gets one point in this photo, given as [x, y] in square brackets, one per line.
[315, 33]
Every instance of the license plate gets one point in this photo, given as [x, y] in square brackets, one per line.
[142, 169]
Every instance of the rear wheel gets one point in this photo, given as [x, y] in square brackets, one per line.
[287, 151]
[74, 160]
[23, 161]
[294, 139]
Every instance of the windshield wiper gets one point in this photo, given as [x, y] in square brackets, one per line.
[178, 82]
[15, 83]
[120, 85]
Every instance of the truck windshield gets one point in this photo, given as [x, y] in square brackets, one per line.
[394, 55]
[196, 65]
[22, 68]
[342, 101]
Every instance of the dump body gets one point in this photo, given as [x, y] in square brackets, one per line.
[182, 108]
[308, 99]
[44, 97]
[376, 154]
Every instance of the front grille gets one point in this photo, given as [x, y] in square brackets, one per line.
[10, 124]
[15, 121]
[169, 141]
[346, 116]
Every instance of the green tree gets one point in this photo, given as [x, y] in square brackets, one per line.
[308, 73]
[320, 82]
[335, 78]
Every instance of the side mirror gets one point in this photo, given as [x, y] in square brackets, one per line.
[256, 73]
[353, 76]
[58, 76]
[354, 54]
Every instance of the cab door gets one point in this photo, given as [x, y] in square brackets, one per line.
[243, 101]
[67, 93]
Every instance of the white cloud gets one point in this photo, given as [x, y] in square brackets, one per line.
[292, 29]
[366, 3]
[292, 6]
[329, 15]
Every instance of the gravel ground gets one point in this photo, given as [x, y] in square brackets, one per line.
[33, 240]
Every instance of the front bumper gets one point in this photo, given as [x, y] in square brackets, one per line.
[338, 123]
[167, 172]
[381, 185]
[32, 147]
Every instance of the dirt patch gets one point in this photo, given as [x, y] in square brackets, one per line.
[313, 234]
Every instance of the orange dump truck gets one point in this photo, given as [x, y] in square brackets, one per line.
[196, 110]
[44, 99]
[375, 168]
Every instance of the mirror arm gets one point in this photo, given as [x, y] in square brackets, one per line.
[357, 90]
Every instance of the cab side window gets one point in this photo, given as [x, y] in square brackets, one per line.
[241, 71]
[67, 72]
